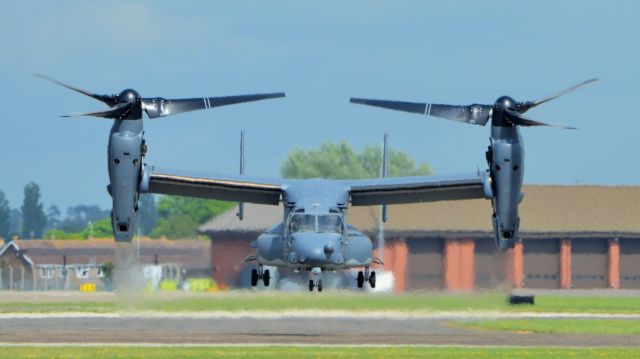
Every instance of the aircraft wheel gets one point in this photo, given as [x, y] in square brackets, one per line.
[320, 285]
[311, 285]
[360, 279]
[372, 279]
[266, 278]
[254, 277]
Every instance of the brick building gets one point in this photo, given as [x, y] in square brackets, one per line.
[67, 264]
[572, 237]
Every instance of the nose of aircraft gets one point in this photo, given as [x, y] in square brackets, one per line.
[316, 248]
[329, 248]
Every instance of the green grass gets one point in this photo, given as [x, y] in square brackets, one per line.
[311, 352]
[585, 304]
[56, 307]
[555, 326]
[335, 300]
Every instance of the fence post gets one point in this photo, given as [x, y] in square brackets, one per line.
[21, 278]
[10, 277]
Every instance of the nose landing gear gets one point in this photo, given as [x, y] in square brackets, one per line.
[315, 280]
[366, 277]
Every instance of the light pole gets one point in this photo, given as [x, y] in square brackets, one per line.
[90, 230]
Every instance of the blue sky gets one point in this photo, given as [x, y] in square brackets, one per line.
[320, 53]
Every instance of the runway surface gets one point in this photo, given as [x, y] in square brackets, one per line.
[275, 329]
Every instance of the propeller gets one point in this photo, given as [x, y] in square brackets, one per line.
[109, 100]
[115, 112]
[504, 112]
[129, 105]
[524, 107]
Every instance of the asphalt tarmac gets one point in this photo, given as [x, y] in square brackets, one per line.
[423, 330]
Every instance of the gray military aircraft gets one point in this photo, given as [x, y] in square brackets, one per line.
[505, 155]
[314, 235]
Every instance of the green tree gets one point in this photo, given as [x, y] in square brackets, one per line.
[61, 234]
[33, 218]
[179, 217]
[78, 217]
[340, 161]
[176, 227]
[101, 229]
[53, 217]
[5, 213]
[15, 222]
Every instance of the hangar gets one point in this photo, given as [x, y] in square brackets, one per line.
[571, 237]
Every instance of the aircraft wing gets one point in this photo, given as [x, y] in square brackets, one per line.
[222, 187]
[395, 190]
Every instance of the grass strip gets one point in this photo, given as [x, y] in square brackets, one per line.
[313, 352]
[555, 326]
[356, 302]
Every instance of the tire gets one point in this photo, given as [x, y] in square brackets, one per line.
[311, 285]
[372, 279]
[266, 278]
[254, 277]
[320, 285]
[360, 279]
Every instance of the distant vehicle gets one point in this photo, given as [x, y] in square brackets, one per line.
[314, 235]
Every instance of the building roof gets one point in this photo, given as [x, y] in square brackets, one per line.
[190, 254]
[544, 210]
[256, 218]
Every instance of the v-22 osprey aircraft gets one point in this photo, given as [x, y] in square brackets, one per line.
[314, 234]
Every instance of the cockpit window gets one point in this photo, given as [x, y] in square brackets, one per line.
[329, 223]
[324, 223]
[303, 223]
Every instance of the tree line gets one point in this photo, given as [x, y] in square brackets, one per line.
[179, 217]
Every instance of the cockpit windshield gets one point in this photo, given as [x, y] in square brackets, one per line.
[319, 223]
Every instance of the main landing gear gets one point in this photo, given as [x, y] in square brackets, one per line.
[260, 274]
[366, 277]
[315, 280]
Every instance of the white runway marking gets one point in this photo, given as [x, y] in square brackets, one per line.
[337, 314]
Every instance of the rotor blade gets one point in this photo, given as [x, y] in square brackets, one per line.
[413, 107]
[474, 114]
[114, 113]
[524, 107]
[521, 120]
[109, 100]
[160, 107]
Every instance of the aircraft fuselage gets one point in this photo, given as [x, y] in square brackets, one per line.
[306, 241]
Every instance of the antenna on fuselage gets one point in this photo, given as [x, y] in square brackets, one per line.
[383, 209]
[385, 166]
[240, 212]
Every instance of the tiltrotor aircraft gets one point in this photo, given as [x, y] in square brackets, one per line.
[505, 154]
[314, 235]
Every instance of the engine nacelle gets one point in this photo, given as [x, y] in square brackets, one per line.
[125, 164]
[506, 163]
